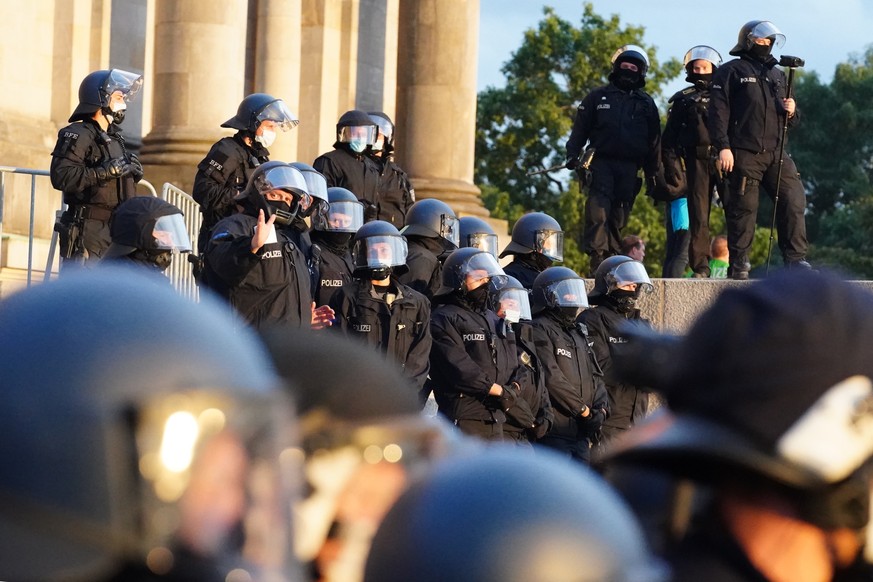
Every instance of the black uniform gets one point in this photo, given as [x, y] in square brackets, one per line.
[353, 171]
[573, 382]
[81, 148]
[624, 129]
[472, 350]
[425, 270]
[685, 145]
[525, 268]
[332, 265]
[627, 403]
[222, 174]
[395, 194]
[272, 286]
[396, 321]
[746, 116]
[532, 415]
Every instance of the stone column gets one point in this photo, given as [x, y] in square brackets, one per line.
[436, 100]
[199, 70]
[277, 65]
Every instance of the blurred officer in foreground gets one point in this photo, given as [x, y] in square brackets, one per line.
[500, 515]
[380, 310]
[618, 284]
[396, 194]
[432, 233]
[364, 439]
[537, 242]
[149, 448]
[475, 232]
[571, 375]
[776, 427]
[91, 166]
[621, 123]
[147, 231]
[747, 119]
[226, 169]
[331, 254]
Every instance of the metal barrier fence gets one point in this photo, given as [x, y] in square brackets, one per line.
[4, 170]
[180, 272]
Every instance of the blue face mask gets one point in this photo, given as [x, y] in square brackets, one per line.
[358, 145]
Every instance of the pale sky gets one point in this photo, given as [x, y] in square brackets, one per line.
[822, 32]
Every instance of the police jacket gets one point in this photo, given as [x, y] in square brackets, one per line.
[627, 404]
[333, 267]
[471, 351]
[425, 270]
[525, 269]
[82, 147]
[353, 171]
[534, 398]
[619, 124]
[571, 377]
[745, 111]
[686, 132]
[271, 286]
[395, 194]
[222, 174]
[398, 323]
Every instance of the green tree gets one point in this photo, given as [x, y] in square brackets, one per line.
[525, 125]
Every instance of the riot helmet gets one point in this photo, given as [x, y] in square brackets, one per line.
[508, 298]
[475, 232]
[270, 177]
[356, 130]
[612, 277]
[316, 186]
[629, 66]
[561, 290]
[754, 30]
[432, 218]
[466, 267]
[363, 439]
[701, 52]
[106, 91]
[257, 108]
[565, 524]
[154, 438]
[346, 212]
[385, 140]
[536, 232]
[379, 250]
[149, 228]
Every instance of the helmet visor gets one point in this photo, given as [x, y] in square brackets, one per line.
[550, 243]
[567, 293]
[386, 130]
[357, 133]
[706, 53]
[512, 304]
[213, 481]
[345, 216]
[627, 273]
[482, 241]
[450, 229]
[278, 113]
[282, 178]
[170, 234]
[377, 252]
[316, 186]
[767, 29]
[631, 51]
[479, 266]
[128, 83]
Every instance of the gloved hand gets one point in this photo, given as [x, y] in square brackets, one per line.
[542, 427]
[571, 163]
[651, 184]
[112, 169]
[371, 212]
[136, 167]
[509, 396]
[521, 414]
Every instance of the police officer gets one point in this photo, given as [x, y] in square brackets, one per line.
[531, 417]
[432, 233]
[155, 451]
[775, 430]
[618, 283]
[226, 169]
[147, 231]
[253, 260]
[379, 310]
[687, 155]
[571, 375]
[331, 253]
[310, 216]
[396, 194]
[537, 242]
[92, 167]
[473, 359]
[475, 232]
[621, 123]
[747, 115]
[348, 165]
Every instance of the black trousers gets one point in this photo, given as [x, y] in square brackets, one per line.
[614, 187]
[579, 450]
[484, 429]
[702, 178]
[753, 171]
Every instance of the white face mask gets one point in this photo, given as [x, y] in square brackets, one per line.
[512, 315]
[266, 138]
[116, 107]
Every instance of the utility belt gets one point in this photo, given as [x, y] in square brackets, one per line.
[90, 212]
[705, 152]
